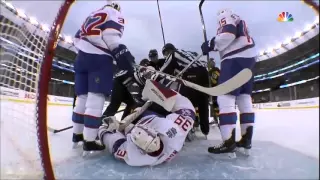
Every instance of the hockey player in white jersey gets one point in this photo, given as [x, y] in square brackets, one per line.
[98, 42]
[154, 139]
[237, 51]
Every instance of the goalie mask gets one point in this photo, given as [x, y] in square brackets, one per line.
[145, 138]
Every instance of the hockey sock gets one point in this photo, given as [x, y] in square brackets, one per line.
[91, 125]
[246, 120]
[78, 123]
[78, 114]
[227, 124]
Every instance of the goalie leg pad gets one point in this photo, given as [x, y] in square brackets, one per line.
[78, 114]
[159, 94]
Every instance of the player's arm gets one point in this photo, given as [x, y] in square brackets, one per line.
[121, 146]
[169, 64]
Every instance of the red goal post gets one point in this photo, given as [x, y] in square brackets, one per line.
[25, 72]
[43, 87]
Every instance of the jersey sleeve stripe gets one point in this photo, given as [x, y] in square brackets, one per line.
[111, 25]
[229, 28]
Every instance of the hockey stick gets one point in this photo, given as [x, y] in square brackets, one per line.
[164, 40]
[124, 123]
[235, 82]
[69, 127]
[205, 39]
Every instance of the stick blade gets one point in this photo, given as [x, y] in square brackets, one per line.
[235, 82]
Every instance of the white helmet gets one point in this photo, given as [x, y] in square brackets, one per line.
[225, 12]
[145, 138]
[116, 6]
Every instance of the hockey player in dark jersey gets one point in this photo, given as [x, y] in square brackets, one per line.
[214, 74]
[127, 89]
[177, 60]
[154, 59]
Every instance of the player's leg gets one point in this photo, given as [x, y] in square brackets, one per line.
[100, 77]
[203, 100]
[228, 115]
[247, 116]
[118, 96]
[81, 91]
[215, 110]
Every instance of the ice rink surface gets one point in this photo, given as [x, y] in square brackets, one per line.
[285, 146]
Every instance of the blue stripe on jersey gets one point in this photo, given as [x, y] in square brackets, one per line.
[77, 34]
[117, 144]
[229, 28]
[239, 50]
[187, 112]
[111, 25]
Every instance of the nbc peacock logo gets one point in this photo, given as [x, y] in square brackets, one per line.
[285, 17]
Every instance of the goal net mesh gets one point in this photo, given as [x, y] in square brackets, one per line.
[23, 46]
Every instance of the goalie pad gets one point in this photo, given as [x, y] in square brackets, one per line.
[159, 94]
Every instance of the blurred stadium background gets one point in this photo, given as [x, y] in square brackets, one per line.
[288, 71]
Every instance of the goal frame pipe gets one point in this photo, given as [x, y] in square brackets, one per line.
[43, 87]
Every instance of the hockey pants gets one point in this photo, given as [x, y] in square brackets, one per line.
[198, 99]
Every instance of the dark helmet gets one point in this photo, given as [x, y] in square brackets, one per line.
[212, 62]
[153, 53]
[144, 62]
[168, 47]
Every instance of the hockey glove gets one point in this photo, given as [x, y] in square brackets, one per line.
[109, 125]
[124, 58]
[208, 46]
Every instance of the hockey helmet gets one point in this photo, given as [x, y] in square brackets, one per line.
[224, 12]
[144, 62]
[145, 138]
[167, 48]
[153, 53]
[211, 62]
[114, 5]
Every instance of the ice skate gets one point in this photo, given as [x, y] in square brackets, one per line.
[244, 145]
[191, 135]
[227, 147]
[76, 139]
[91, 146]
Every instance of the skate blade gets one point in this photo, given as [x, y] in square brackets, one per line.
[76, 145]
[224, 156]
[244, 151]
[190, 137]
[86, 153]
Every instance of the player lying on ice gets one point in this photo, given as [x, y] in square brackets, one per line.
[154, 139]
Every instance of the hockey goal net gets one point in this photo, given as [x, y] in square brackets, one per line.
[26, 53]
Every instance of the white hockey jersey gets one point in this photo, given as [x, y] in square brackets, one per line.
[233, 39]
[173, 130]
[101, 31]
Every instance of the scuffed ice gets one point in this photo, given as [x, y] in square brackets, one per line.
[283, 148]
